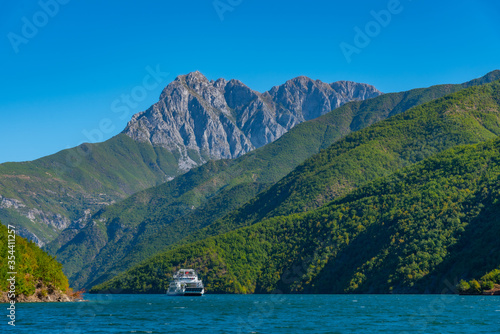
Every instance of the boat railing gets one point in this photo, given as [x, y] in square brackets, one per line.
[190, 275]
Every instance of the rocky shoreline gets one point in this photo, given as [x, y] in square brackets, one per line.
[493, 292]
[56, 297]
[43, 294]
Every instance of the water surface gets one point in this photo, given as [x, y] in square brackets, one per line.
[263, 314]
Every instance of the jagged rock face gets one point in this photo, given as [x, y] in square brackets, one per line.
[203, 120]
[55, 221]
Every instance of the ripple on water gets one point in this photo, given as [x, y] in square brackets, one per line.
[388, 314]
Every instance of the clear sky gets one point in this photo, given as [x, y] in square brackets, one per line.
[66, 69]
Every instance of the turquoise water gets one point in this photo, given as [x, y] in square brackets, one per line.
[263, 314]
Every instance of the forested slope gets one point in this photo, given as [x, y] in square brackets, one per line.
[436, 186]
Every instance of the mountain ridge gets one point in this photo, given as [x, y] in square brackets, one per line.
[152, 220]
[401, 230]
[205, 120]
[46, 195]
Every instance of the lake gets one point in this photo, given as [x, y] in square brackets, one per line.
[263, 314]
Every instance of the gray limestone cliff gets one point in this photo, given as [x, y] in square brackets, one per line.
[201, 120]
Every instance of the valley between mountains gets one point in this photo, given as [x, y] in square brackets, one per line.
[276, 191]
[414, 189]
[194, 121]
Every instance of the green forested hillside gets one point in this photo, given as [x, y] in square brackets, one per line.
[126, 233]
[466, 117]
[34, 267]
[63, 186]
[487, 284]
[420, 229]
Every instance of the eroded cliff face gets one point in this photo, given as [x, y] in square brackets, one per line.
[201, 120]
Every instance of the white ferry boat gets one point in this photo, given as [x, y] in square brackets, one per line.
[186, 283]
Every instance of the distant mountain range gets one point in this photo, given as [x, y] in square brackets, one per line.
[194, 121]
[212, 196]
[201, 120]
[225, 179]
[407, 205]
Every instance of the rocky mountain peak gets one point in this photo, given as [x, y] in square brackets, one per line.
[219, 83]
[302, 81]
[200, 120]
[350, 88]
[238, 95]
[195, 80]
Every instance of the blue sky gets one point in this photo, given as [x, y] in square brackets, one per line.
[63, 80]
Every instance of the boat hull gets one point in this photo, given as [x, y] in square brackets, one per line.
[175, 293]
[194, 292]
[188, 292]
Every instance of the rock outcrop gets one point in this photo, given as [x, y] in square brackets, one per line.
[43, 293]
[201, 120]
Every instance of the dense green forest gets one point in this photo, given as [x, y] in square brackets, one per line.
[466, 117]
[485, 283]
[34, 267]
[418, 230]
[64, 185]
[395, 234]
[149, 222]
